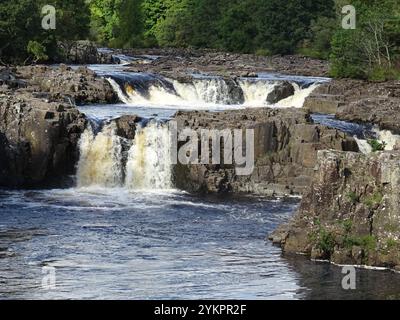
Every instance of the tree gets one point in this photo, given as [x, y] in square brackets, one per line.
[131, 24]
[173, 29]
[283, 24]
[237, 28]
[21, 25]
[370, 50]
[105, 20]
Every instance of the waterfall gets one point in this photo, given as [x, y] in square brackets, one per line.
[363, 145]
[300, 95]
[100, 158]
[102, 161]
[202, 93]
[149, 161]
[117, 89]
[256, 92]
[390, 140]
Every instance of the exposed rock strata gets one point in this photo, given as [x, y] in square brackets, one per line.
[172, 62]
[350, 214]
[286, 145]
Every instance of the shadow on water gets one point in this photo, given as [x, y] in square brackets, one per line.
[323, 281]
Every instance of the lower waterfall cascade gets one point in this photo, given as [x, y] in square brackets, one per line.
[145, 164]
[149, 159]
[100, 158]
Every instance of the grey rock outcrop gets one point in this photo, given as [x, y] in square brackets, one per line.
[38, 141]
[80, 86]
[350, 215]
[82, 52]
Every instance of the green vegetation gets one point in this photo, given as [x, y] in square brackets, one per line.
[353, 197]
[376, 145]
[324, 240]
[264, 27]
[347, 225]
[22, 37]
[368, 243]
[372, 49]
[374, 200]
[37, 50]
[391, 243]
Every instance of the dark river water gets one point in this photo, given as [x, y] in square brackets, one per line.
[118, 244]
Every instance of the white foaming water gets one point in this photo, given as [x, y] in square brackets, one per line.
[210, 93]
[300, 95]
[391, 140]
[119, 91]
[383, 136]
[363, 145]
[214, 91]
[100, 158]
[204, 92]
[149, 161]
[256, 93]
[148, 166]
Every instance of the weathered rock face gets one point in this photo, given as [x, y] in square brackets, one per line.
[81, 86]
[351, 213]
[38, 141]
[286, 145]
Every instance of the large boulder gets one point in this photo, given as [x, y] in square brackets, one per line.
[281, 91]
[38, 141]
[350, 215]
[235, 92]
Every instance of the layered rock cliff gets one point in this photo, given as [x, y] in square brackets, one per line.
[286, 145]
[350, 215]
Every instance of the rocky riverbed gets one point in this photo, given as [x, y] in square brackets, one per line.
[349, 211]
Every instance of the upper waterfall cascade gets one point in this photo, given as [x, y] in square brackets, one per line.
[206, 92]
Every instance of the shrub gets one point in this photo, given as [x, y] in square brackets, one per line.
[37, 50]
[374, 200]
[376, 145]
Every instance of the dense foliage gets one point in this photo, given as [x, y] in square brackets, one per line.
[22, 36]
[310, 27]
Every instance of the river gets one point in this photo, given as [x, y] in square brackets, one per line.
[111, 237]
